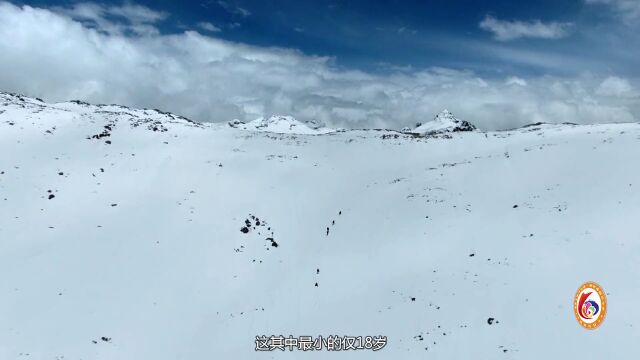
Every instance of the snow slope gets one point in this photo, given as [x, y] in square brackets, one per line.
[444, 122]
[138, 241]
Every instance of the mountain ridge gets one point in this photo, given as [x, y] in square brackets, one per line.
[443, 123]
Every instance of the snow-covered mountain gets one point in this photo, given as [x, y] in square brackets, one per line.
[282, 125]
[137, 234]
[444, 122]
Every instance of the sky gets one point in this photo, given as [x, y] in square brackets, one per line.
[353, 64]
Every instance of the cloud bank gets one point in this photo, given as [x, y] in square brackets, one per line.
[117, 55]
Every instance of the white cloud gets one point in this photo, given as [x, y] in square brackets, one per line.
[115, 19]
[232, 8]
[137, 13]
[208, 27]
[514, 80]
[504, 30]
[53, 55]
[615, 86]
[629, 10]
[404, 29]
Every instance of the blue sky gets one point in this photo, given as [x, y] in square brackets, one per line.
[360, 58]
[376, 35]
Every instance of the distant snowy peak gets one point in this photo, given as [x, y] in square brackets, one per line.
[281, 125]
[444, 122]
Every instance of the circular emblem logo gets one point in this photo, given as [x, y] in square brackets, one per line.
[590, 305]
